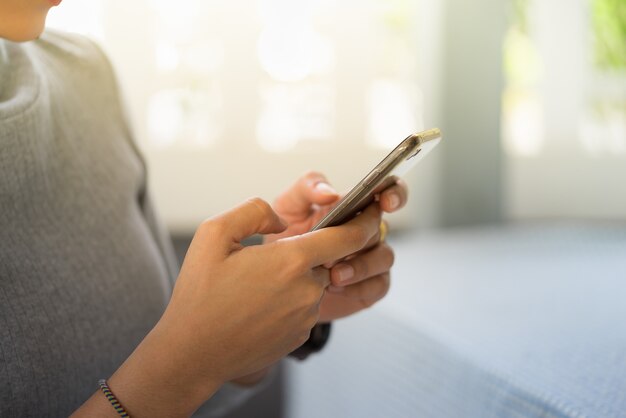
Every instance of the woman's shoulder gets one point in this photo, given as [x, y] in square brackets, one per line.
[79, 51]
[71, 45]
[63, 59]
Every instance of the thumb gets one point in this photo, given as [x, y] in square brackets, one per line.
[310, 189]
[255, 216]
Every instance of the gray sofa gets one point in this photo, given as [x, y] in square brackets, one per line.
[517, 321]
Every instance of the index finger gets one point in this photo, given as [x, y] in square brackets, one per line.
[334, 243]
[312, 188]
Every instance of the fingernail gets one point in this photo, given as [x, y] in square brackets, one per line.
[325, 188]
[394, 201]
[335, 289]
[344, 271]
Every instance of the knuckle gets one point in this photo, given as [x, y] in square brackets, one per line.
[219, 226]
[366, 302]
[388, 254]
[313, 175]
[360, 234]
[303, 337]
[298, 262]
[212, 226]
[384, 287]
[264, 207]
[312, 295]
[204, 225]
[403, 188]
[361, 268]
[312, 319]
[379, 286]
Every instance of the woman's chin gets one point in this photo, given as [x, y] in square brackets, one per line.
[26, 29]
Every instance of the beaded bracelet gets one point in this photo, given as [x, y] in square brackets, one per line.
[111, 397]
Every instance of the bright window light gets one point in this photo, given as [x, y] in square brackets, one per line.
[392, 112]
[84, 17]
[285, 53]
[522, 123]
[165, 118]
[293, 113]
[181, 116]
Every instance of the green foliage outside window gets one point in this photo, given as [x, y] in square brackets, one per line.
[609, 24]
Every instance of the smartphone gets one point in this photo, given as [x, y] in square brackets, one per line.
[403, 157]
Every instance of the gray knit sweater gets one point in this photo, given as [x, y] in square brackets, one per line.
[85, 269]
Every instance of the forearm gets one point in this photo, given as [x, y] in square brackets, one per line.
[152, 383]
[97, 406]
[254, 378]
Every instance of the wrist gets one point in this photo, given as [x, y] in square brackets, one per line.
[252, 379]
[156, 381]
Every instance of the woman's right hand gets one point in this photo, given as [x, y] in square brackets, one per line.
[235, 309]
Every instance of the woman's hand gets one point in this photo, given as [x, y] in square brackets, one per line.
[234, 311]
[363, 278]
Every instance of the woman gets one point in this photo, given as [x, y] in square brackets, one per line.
[86, 272]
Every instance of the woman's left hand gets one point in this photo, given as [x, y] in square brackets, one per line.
[362, 279]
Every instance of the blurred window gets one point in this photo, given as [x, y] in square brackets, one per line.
[281, 61]
[564, 109]
[259, 91]
[566, 60]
